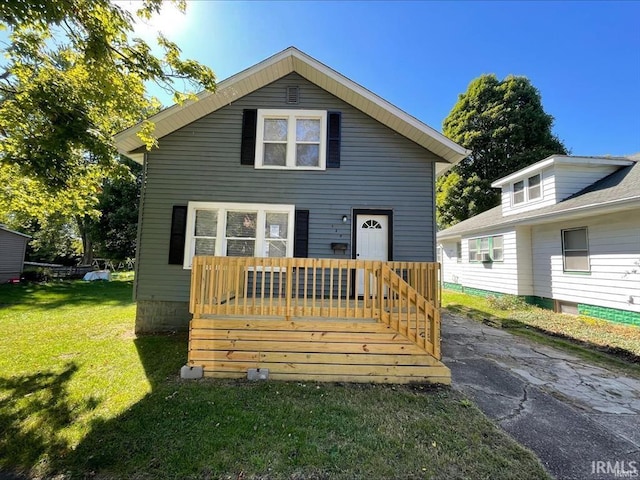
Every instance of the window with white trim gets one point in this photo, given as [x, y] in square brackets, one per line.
[575, 250]
[239, 230]
[291, 139]
[527, 190]
[486, 249]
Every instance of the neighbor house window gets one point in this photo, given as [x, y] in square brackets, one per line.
[527, 190]
[575, 250]
[459, 252]
[291, 139]
[518, 192]
[486, 249]
[533, 187]
[239, 230]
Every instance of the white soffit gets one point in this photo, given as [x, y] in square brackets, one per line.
[276, 67]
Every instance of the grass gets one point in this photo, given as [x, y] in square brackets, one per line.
[597, 340]
[81, 396]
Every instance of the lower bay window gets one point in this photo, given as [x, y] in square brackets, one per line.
[238, 230]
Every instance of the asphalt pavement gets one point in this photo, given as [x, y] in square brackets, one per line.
[581, 420]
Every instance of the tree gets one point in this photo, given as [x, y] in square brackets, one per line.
[114, 233]
[506, 127]
[74, 77]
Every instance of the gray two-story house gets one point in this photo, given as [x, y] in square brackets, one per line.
[286, 158]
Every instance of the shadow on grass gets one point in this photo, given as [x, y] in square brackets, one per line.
[140, 438]
[33, 410]
[547, 336]
[63, 293]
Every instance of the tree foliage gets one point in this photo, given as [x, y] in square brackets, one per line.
[504, 124]
[114, 233]
[73, 77]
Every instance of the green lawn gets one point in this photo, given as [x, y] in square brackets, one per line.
[82, 397]
[596, 339]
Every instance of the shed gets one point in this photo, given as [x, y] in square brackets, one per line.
[12, 249]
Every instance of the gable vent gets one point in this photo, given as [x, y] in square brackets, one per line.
[293, 95]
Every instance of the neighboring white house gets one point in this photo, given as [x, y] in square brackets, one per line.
[567, 237]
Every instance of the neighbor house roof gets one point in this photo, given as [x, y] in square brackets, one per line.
[274, 68]
[615, 192]
[563, 160]
[5, 229]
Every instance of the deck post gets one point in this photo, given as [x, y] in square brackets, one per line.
[380, 292]
[288, 290]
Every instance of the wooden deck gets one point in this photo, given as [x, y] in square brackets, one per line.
[317, 334]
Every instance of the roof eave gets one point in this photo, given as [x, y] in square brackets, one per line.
[563, 160]
[278, 66]
[612, 206]
[15, 233]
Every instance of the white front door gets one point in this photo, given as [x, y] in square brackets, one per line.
[372, 243]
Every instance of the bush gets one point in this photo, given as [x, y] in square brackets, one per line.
[507, 302]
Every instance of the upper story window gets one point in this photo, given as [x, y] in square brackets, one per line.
[527, 190]
[238, 230]
[486, 249]
[291, 139]
[575, 250]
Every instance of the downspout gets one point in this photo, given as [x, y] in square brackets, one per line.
[143, 190]
[433, 212]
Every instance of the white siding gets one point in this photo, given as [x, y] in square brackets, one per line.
[525, 261]
[496, 276]
[451, 268]
[571, 179]
[614, 247]
[548, 194]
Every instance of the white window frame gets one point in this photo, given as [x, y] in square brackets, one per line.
[291, 116]
[222, 208]
[530, 187]
[475, 245]
[526, 190]
[586, 251]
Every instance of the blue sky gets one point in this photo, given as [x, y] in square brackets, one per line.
[584, 57]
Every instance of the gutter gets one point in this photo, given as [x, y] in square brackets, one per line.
[549, 217]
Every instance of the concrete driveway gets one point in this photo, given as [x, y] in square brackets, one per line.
[582, 420]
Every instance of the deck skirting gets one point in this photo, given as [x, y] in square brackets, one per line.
[364, 350]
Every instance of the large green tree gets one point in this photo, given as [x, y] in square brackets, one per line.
[504, 124]
[72, 75]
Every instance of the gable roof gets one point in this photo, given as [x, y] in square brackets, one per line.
[615, 192]
[273, 68]
[5, 229]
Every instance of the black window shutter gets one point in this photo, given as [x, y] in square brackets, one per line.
[248, 148]
[178, 232]
[301, 234]
[333, 139]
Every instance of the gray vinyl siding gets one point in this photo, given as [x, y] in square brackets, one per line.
[12, 248]
[379, 169]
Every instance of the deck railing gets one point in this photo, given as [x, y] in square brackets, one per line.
[404, 295]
